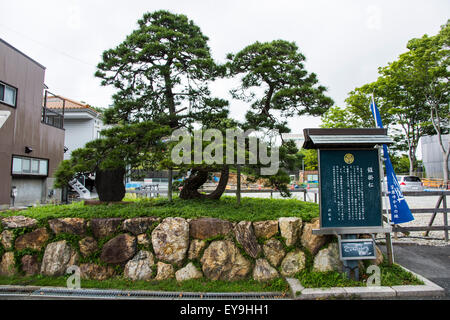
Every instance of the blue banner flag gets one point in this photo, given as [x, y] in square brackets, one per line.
[400, 212]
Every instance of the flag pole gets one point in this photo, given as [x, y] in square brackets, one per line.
[389, 247]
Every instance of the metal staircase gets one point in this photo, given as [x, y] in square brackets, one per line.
[78, 187]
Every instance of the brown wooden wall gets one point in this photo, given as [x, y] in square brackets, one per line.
[24, 126]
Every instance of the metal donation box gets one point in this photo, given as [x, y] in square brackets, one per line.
[350, 186]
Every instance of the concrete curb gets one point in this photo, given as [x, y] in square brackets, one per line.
[429, 289]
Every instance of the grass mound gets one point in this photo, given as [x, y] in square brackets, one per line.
[250, 209]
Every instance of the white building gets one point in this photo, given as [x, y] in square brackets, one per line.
[81, 122]
[432, 157]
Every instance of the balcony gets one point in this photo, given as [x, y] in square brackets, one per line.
[52, 117]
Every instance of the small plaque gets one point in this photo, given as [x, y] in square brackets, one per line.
[357, 249]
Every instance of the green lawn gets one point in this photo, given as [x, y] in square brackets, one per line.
[392, 275]
[251, 209]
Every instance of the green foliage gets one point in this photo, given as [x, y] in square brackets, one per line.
[71, 239]
[396, 276]
[401, 163]
[277, 67]
[166, 55]
[311, 161]
[251, 209]
[411, 94]
[138, 144]
[64, 173]
[392, 275]
[311, 279]
[277, 85]
[337, 117]
[159, 71]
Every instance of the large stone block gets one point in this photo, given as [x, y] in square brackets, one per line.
[140, 267]
[87, 246]
[274, 251]
[119, 249]
[294, 262]
[104, 227]
[245, 235]
[138, 225]
[6, 239]
[58, 256]
[164, 271]
[68, 225]
[290, 229]
[223, 261]
[30, 265]
[265, 229]
[195, 248]
[311, 241]
[206, 228]
[96, 272]
[170, 240]
[15, 222]
[8, 264]
[328, 259]
[33, 240]
[188, 272]
[263, 271]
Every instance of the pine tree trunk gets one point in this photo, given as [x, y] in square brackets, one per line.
[197, 179]
[109, 184]
[412, 160]
[224, 175]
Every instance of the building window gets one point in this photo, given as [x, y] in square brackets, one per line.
[8, 94]
[29, 166]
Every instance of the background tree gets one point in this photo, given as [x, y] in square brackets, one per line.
[427, 62]
[411, 93]
[277, 86]
[276, 83]
[311, 161]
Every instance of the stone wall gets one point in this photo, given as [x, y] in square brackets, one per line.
[153, 248]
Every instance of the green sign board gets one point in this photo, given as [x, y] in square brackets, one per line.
[357, 249]
[349, 187]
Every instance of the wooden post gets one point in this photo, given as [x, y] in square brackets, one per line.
[389, 251]
[169, 190]
[444, 204]
[238, 184]
[438, 204]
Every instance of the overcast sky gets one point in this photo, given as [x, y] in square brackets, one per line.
[344, 41]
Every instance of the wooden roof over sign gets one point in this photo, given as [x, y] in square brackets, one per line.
[344, 138]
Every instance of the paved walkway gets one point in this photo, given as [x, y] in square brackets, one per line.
[432, 262]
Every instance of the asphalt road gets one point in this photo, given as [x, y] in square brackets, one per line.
[431, 262]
